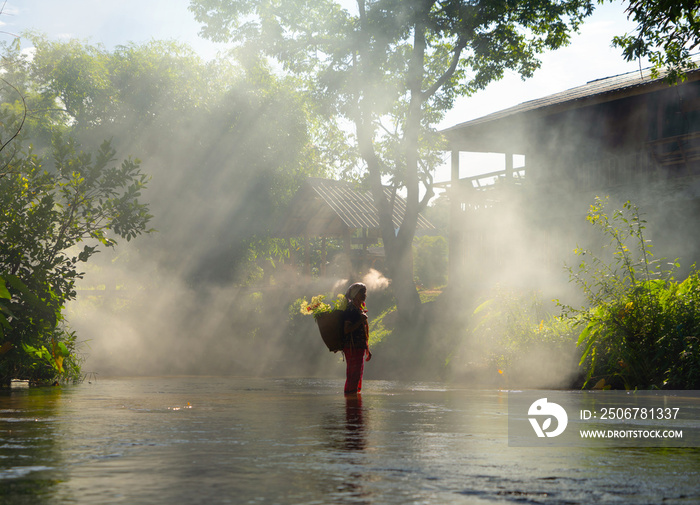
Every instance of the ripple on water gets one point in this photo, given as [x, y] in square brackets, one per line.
[17, 472]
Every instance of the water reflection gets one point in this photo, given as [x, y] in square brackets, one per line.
[29, 444]
[355, 432]
[353, 489]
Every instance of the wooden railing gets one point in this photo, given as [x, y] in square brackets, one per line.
[664, 159]
[678, 150]
[661, 162]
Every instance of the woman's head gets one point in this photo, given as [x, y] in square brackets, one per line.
[354, 290]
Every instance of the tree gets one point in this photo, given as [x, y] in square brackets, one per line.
[393, 68]
[231, 140]
[96, 94]
[667, 33]
[52, 220]
[227, 144]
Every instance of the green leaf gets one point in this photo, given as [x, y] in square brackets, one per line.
[483, 306]
[62, 350]
[584, 334]
[4, 293]
[591, 342]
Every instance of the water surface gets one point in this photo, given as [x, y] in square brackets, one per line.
[191, 440]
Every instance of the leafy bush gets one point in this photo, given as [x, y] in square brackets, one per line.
[53, 218]
[640, 327]
[431, 261]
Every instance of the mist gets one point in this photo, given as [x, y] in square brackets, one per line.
[204, 294]
[516, 236]
[223, 159]
[153, 323]
[177, 301]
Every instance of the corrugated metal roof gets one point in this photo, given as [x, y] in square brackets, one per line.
[324, 207]
[599, 88]
[356, 209]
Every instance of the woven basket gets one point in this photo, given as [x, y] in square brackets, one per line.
[330, 325]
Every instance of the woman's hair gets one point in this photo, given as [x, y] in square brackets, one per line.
[352, 291]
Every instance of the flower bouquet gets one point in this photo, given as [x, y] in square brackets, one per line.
[329, 319]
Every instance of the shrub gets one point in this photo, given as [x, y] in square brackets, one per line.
[640, 327]
[53, 218]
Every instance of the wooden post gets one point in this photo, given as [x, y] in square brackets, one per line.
[307, 256]
[455, 211]
[509, 165]
[322, 269]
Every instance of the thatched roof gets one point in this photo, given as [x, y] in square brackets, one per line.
[324, 207]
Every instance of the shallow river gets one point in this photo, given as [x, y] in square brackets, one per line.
[299, 441]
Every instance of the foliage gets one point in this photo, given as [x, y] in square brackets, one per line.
[667, 33]
[382, 325]
[431, 260]
[509, 325]
[640, 328]
[230, 139]
[393, 69]
[51, 222]
[61, 356]
[71, 86]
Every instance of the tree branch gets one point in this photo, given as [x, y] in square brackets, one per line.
[4, 170]
[447, 75]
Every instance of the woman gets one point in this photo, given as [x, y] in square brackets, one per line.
[355, 337]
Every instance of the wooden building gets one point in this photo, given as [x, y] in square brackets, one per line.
[630, 136]
[335, 209]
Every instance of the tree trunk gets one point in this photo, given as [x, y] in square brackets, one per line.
[400, 255]
[398, 244]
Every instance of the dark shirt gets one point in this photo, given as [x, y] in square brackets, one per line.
[355, 338]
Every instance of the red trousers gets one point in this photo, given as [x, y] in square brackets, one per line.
[355, 360]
